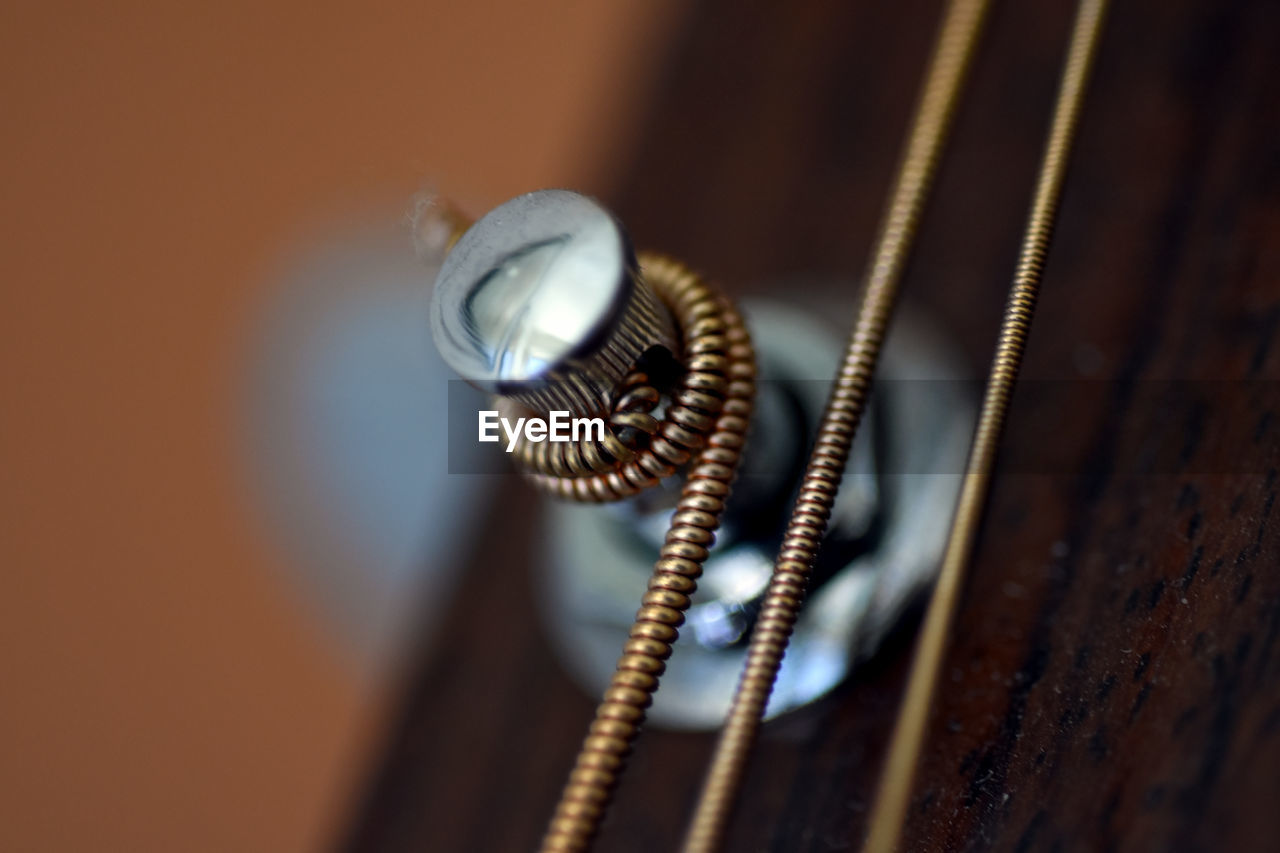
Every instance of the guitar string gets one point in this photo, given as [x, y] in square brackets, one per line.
[952, 55]
[889, 812]
[706, 427]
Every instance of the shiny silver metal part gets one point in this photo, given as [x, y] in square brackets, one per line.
[541, 301]
[903, 476]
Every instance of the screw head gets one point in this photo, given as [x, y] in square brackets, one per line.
[541, 300]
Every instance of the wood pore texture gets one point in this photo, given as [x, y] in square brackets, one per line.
[1113, 682]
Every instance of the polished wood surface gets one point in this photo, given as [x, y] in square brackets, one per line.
[1114, 681]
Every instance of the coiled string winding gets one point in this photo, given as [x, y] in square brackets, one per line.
[640, 449]
[702, 431]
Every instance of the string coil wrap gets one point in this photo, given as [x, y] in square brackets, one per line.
[702, 431]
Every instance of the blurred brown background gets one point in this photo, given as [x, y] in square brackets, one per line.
[164, 687]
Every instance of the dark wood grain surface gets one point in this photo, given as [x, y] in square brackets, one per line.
[1114, 681]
